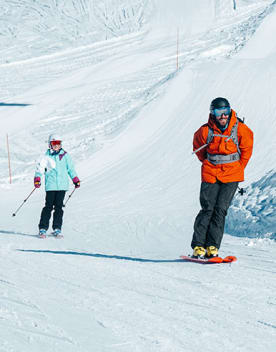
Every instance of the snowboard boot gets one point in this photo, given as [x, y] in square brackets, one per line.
[199, 252]
[212, 252]
[42, 233]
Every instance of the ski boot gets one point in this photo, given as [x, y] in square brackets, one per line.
[57, 233]
[199, 252]
[212, 252]
[42, 233]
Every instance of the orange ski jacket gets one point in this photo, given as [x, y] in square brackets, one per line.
[225, 172]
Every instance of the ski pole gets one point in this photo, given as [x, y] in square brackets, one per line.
[197, 150]
[70, 195]
[241, 191]
[25, 200]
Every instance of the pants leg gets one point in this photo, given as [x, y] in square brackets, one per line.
[216, 226]
[58, 211]
[208, 197]
[47, 210]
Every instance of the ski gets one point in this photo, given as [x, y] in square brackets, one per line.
[214, 260]
[43, 236]
[57, 234]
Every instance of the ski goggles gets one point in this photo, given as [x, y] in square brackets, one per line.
[220, 111]
[55, 143]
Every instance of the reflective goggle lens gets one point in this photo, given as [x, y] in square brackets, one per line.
[219, 112]
[55, 142]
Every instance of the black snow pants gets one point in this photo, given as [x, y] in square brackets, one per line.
[215, 199]
[54, 199]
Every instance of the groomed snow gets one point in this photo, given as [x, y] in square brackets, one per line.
[115, 282]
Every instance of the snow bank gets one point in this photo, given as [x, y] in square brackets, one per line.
[253, 214]
[263, 42]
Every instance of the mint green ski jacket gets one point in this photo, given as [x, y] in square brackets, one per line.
[57, 167]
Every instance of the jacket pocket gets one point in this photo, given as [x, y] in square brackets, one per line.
[230, 147]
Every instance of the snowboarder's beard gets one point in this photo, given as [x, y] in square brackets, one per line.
[222, 120]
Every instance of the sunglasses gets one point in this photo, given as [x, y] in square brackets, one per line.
[219, 112]
[55, 143]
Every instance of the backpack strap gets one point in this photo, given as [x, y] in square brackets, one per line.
[210, 135]
[218, 159]
[233, 136]
[208, 140]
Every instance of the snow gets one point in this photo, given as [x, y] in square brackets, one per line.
[263, 43]
[191, 18]
[115, 282]
[254, 213]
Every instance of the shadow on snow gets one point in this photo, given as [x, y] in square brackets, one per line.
[13, 104]
[16, 233]
[96, 255]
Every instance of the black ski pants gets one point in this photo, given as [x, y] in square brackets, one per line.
[54, 200]
[215, 199]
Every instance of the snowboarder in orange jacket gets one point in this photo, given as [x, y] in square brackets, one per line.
[224, 146]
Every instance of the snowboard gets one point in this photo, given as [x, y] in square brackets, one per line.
[214, 260]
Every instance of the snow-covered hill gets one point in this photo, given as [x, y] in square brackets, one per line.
[35, 28]
[127, 117]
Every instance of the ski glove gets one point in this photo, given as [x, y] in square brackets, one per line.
[37, 182]
[76, 182]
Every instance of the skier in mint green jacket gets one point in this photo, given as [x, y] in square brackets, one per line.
[57, 165]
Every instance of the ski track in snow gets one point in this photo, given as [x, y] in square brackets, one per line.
[115, 282]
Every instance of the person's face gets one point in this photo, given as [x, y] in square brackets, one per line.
[56, 145]
[222, 115]
[222, 119]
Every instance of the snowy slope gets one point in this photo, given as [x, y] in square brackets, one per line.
[115, 281]
[99, 96]
[254, 213]
[41, 27]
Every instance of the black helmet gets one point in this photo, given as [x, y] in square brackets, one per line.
[219, 103]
